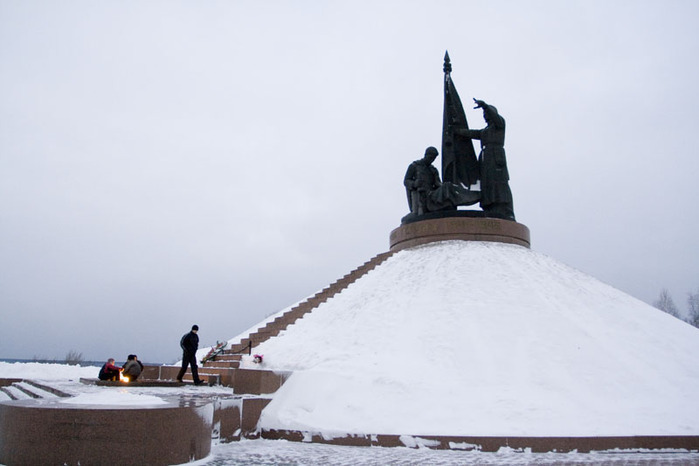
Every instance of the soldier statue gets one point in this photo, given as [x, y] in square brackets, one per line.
[420, 180]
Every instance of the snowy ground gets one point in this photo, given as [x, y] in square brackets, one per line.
[66, 378]
[279, 452]
[268, 452]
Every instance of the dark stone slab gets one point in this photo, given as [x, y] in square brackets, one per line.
[8, 382]
[256, 382]
[252, 410]
[227, 419]
[136, 383]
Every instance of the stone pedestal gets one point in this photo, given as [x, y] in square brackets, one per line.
[459, 228]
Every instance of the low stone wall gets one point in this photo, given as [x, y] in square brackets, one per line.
[52, 432]
[243, 381]
[256, 382]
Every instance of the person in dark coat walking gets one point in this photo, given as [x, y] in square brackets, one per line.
[190, 344]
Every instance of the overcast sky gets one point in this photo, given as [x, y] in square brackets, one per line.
[212, 162]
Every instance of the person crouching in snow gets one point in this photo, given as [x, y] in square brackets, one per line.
[109, 371]
[133, 368]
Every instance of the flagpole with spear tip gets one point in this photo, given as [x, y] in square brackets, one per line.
[459, 163]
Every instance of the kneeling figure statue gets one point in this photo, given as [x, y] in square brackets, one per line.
[427, 193]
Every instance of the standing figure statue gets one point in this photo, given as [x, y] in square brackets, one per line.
[496, 197]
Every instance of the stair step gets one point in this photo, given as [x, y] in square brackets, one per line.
[221, 364]
[46, 388]
[261, 336]
[17, 393]
[9, 393]
[206, 370]
[223, 357]
[26, 391]
[207, 377]
[243, 349]
[228, 362]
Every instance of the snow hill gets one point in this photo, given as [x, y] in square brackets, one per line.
[478, 339]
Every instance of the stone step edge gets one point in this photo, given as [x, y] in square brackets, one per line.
[17, 384]
[221, 365]
[49, 389]
[9, 393]
[243, 381]
[493, 444]
[26, 391]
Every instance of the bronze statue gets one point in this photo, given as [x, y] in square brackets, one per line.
[461, 171]
[420, 180]
[427, 193]
[496, 197]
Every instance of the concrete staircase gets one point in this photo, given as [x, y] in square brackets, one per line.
[274, 327]
[222, 368]
[216, 370]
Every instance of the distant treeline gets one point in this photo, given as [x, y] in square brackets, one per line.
[666, 304]
[51, 361]
[56, 361]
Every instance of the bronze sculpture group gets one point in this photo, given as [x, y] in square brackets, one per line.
[461, 169]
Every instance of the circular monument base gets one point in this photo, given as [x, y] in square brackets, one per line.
[426, 231]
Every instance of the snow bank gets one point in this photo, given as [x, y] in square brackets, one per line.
[469, 338]
[46, 371]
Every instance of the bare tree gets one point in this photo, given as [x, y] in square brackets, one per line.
[666, 304]
[693, 302]
[74, 358]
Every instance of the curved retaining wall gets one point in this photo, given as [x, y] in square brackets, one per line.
[459, 228]
[50, 432]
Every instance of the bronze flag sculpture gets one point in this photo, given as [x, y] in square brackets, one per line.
[459, 164]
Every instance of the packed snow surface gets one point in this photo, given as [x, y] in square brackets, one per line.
[280, 452]
[471, 338]
[114, 398]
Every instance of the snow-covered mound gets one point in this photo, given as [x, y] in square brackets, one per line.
[470, 338]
